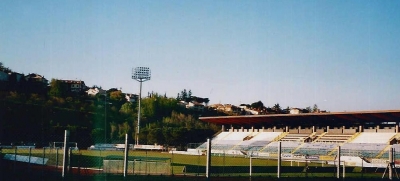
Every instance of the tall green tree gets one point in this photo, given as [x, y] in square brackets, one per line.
[189, 94]
[277, 108]
[4, 69]
[309, 109]
[57, 89]
[124, 128]
[257, 105]
[184, 95]
[127, 108]
[315, 108]
[117, 96]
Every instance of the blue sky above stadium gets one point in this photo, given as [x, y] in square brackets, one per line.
[341, 55]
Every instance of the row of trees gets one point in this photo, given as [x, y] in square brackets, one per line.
[277, 109]
[187, 97]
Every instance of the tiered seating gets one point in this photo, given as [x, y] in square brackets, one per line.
[266, 136]
[373, 138]
[367, 144]
[230, 140]
[220, 136]
[202, 146]
[336, 138]
[286, 147]
[369, 150]
[237, 136]
[396, 149]
[257, 141]
[295, 137]
[317, 148]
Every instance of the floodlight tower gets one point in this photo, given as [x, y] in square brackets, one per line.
[140, 74]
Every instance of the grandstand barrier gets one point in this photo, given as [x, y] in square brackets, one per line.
[386, 130]
[141, 167]
[122, 147]
[349, 131]
[27, 159]
[148, 147]
[25, 147]
[306, 130]
[104, 146]
[189, 152]
[369, 130]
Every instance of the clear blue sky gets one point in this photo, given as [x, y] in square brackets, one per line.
[341, 55]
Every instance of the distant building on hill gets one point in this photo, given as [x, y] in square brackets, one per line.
[36, 78]
[194, 103]
[35, 83]
[74, 86]
[195, 106]
[12, 81]
[16, 77]
[94, 91]
[229, 108]
[4, 76]
[131, 97]
[295, 111]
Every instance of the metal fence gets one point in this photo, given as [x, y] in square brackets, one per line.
[241, 163]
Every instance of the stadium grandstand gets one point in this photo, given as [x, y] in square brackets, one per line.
[361, 136]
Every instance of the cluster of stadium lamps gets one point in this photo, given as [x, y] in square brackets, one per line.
[140, 74]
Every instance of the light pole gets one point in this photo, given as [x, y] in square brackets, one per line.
[140, 74]
[105, 117]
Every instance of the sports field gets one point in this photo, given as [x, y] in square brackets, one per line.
[89, 163]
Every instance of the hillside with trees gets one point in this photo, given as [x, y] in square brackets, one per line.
[34, 110]
[41, 117]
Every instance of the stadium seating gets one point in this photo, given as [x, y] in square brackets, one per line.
[396, 147]
[286, 147]
[257, 141]
[373, 138]
[295, 137]
[332, 137]
[231, 142]
[368, 144]
[369, 150]
[316, 148]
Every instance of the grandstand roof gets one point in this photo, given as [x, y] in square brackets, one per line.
[339, 118]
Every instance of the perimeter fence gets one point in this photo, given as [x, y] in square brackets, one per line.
[161, 161]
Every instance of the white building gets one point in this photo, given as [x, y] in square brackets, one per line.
[295, 111]
[195, 106]
[131, 97]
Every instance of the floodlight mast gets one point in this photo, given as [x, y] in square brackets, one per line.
[141, 74]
